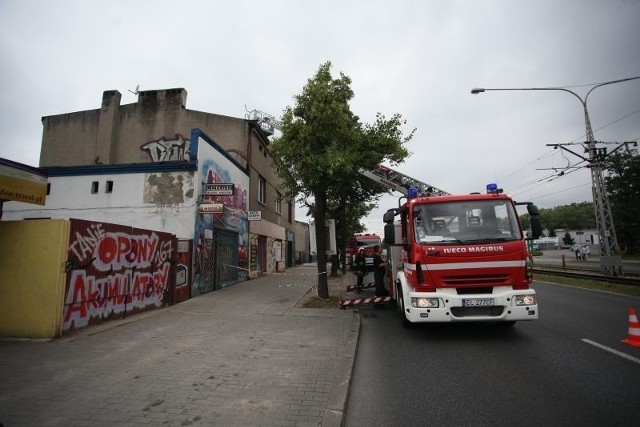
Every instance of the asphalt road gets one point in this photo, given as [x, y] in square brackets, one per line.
[569, 368]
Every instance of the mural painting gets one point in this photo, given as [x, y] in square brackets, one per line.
[114, 270]
[220, 238]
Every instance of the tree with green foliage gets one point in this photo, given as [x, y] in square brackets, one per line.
[575, 216]
[567, 239]
[323, 146]
[623, 185]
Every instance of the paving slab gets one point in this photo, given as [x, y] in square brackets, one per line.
[246, 355]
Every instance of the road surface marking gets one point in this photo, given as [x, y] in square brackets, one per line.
[610, 350]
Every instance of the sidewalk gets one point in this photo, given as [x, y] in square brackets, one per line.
[240, 356]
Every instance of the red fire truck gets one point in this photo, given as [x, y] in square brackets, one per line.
[456, 258]
[367, 241]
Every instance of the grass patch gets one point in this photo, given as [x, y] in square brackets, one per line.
[589, 284]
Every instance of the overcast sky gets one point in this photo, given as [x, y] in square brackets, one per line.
[416, 58]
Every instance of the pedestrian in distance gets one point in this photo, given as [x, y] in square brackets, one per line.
[359, 269]
[584, 251]
[380, 270]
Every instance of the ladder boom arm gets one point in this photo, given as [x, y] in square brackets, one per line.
[400, 182]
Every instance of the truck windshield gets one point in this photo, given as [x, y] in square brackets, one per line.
[469, 221]
[367, 242]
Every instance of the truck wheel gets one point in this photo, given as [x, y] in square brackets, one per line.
[400, 300]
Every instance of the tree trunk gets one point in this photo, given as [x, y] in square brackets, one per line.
[340, 235]
[321, 240]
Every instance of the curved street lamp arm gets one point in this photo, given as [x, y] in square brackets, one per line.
[608, 83]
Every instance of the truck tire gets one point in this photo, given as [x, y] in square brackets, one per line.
[400, 303]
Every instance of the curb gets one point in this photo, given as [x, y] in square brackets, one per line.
[338, 402]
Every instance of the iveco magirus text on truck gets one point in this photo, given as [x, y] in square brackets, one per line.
[460, 258]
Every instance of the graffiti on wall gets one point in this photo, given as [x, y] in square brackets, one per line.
[212, 269]
[113, 270]
[162, 150]
[183, 270]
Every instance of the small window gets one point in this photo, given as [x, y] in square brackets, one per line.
[109, 187]
[95, 186]
[262, 190]
[278, 203]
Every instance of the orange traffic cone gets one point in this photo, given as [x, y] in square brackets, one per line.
[633, 338]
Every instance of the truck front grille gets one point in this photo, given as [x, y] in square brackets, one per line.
[494, 311]
[475, 279]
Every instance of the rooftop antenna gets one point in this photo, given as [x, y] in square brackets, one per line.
[137, 90]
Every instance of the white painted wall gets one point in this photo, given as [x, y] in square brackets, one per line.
[71, 197]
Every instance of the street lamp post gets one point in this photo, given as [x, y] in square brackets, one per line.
[610, 260]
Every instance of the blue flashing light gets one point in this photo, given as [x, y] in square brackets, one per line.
[492, 188]
[412, 193]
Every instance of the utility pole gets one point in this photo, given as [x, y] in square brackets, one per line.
[595, 159]
[610, 259]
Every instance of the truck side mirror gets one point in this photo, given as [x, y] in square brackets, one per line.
[536, 227]
[389, 216]
[389, 233]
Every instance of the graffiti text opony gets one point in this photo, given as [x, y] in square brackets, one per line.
[116, 270]
[122, 250]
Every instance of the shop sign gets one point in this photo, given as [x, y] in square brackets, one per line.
[254, 215]
[210, 208]
[219, 189]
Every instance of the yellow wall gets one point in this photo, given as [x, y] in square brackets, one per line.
[32, 277]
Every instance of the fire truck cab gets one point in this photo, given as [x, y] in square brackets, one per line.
[366, 241]
[456, 258]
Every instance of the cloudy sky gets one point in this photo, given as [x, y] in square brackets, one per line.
[416, 58]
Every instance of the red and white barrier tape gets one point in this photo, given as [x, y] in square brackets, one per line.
[366, 285]
[358, 301]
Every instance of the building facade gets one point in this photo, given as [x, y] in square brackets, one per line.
[206, 178]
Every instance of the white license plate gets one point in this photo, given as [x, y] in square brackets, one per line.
[478, 302]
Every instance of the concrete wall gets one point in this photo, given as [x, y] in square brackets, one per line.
[302, 243]
[157, 129]
[32, 277]
[123, 134]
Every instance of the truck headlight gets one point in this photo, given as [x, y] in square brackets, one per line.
[425, 302]
[525, 300]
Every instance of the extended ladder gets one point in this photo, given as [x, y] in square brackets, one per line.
[400, 182]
